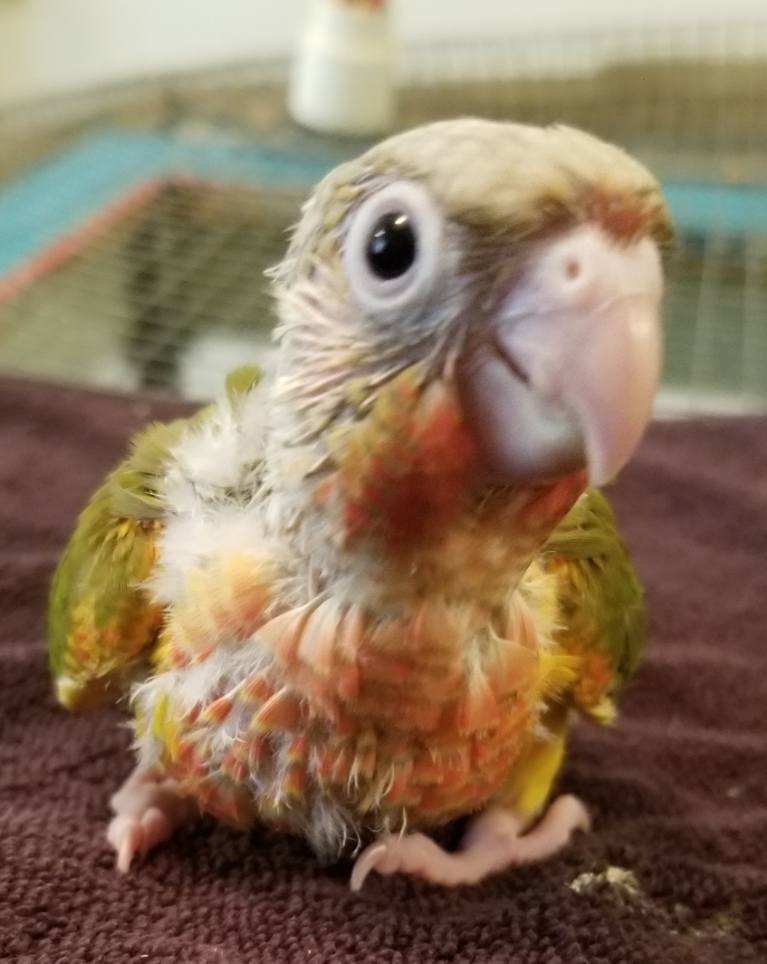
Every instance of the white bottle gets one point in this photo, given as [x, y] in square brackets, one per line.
[343, 78]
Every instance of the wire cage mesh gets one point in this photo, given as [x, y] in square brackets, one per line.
[136, 221]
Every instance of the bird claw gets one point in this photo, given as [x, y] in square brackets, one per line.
[135, 836]
[126, 837]
[147, 812]
[416, 855]
[495, 841]
[366, 862]
[572, 814]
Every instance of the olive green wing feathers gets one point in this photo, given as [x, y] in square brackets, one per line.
[602, 618]
[101, 621]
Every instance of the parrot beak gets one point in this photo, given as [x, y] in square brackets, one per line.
[564, 374]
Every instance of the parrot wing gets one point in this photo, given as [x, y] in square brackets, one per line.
[102, 623]
[100, 619]
[602, 617]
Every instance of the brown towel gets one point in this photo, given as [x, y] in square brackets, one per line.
[674, 871]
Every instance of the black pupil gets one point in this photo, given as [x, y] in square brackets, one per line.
[392, 247]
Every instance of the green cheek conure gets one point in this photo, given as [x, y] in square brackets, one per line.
[368, 594]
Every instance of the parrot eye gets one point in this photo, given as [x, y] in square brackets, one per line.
[391, 251]
[392, 247]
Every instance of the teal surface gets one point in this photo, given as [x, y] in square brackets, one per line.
[717, 209]
[64, 192]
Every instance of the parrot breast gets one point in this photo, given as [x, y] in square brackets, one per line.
[329, 715]
[395, 691]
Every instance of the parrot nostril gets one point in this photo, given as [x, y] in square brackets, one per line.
[572, 268]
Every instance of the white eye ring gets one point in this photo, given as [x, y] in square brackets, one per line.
[376, 294]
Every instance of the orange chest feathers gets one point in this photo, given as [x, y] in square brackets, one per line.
[416, 718]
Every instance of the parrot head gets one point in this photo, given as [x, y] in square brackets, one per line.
[484, 294]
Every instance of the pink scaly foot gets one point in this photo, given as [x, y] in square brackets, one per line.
[147, 811]
[494, 842]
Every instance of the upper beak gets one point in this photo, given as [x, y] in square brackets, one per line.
[564, 375]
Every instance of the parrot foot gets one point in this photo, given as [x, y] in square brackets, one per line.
[147, 811]
[494, 842]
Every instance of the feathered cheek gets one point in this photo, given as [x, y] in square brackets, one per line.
[405, 472]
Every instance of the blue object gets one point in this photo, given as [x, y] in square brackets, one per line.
[723, 209]
[61, 194]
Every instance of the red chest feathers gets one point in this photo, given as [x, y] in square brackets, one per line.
[405, 472]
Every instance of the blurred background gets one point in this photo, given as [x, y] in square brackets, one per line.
[150, 167]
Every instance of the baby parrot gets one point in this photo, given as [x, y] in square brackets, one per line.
[368, 595]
